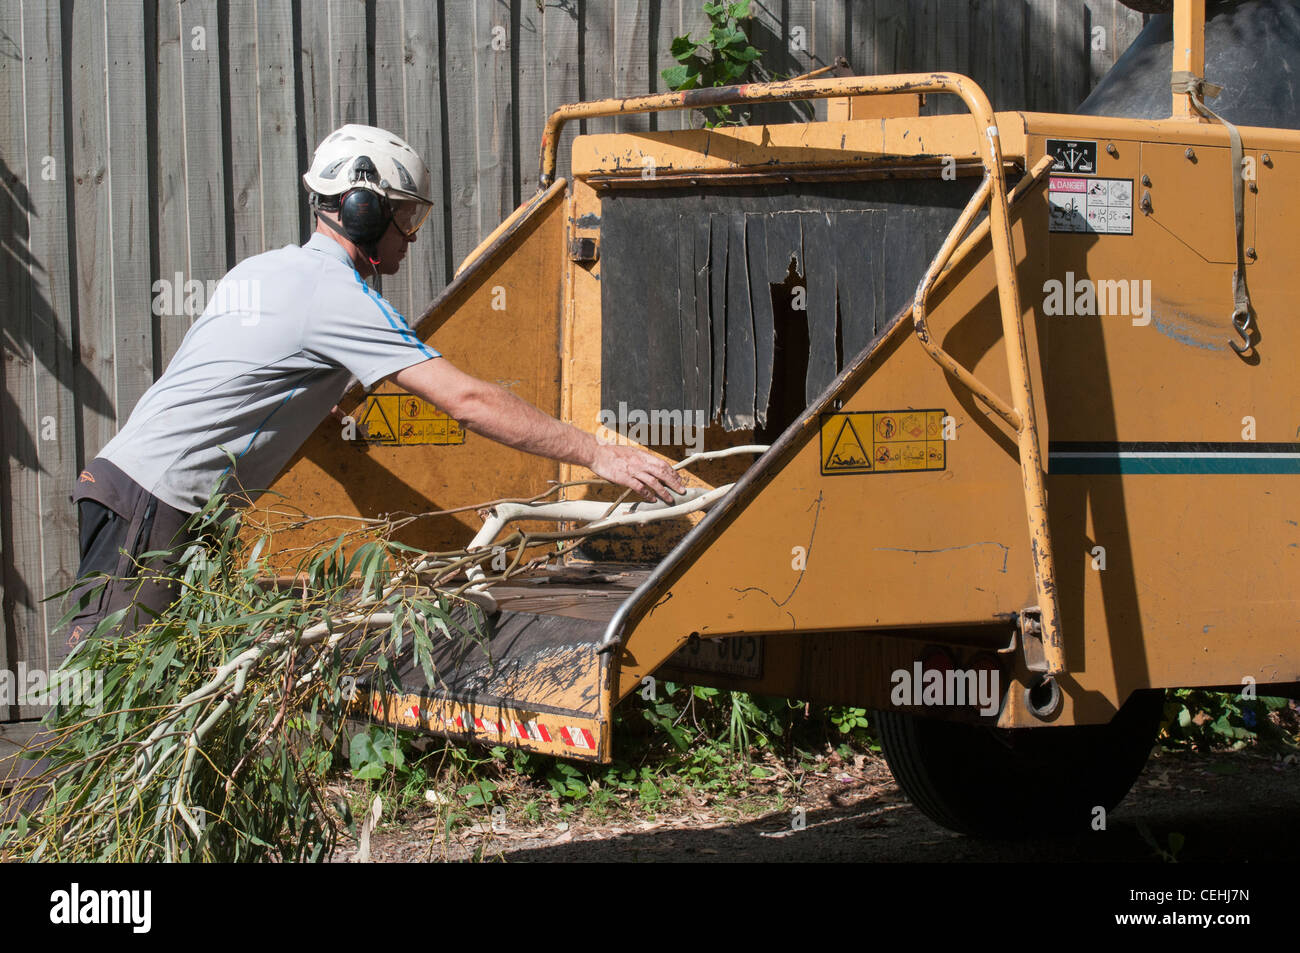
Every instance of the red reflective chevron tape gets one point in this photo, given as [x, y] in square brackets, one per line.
[578, 738]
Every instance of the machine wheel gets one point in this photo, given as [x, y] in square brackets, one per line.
[1022, 782]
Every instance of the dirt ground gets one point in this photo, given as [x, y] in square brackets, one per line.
[1227, 806]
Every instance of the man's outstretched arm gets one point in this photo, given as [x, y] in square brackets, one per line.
[496, 413]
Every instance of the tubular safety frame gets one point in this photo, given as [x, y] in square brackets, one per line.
[992, 193]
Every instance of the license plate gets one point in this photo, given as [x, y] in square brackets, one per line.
[740, 655]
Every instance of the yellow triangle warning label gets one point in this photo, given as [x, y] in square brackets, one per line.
[846, 453]
[375, 423]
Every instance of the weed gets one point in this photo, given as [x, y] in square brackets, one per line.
[1203, 720]
[721, 58]
[1169, 852]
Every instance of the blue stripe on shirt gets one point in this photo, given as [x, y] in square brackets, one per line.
[267, 419]
[395, 319]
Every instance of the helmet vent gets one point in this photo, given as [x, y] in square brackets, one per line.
[332, 169]
[408, 183]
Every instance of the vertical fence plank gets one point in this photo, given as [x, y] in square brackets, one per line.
[1071, 54]
[1007, 77]
[1128, 24]
[667, 25]
[530, 104]
[799, 30]
[54, 422]
[830, 39]
[246, 183]
[169, 183]
[784, 55]
[631, 58]
[425, 131]
[924, 19]
[128, 182]
[20, 521]
[93, 229]
[548, 78]
[531, 98]
[1037, 52]
[204, 151]
[391, 114]
[349, 64]
[563, 72]
[893, 37]
[494, 107]
[597, 21]
[953, 38]
[480, 109]
[1099, 34]
[462, 147]
[314, 70]
[862, 37]
[278, 158]
[407, 103]
[263, 150]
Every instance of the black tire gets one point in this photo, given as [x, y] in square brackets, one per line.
[1024, 782]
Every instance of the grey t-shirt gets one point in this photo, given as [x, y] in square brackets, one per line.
[275, 348]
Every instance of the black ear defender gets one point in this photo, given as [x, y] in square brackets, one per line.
[365, 213]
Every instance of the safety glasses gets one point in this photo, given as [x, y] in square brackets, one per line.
[409, 216]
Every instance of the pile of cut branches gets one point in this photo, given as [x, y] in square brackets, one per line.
[215, 729]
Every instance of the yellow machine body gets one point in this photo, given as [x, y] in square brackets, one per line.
[896, 515]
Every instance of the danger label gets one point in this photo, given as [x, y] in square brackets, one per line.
[883, 441]
[1099, 206]
[398, 420]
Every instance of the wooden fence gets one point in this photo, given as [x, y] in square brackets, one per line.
[143, 140]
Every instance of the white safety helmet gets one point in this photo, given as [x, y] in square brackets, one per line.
[394, 170]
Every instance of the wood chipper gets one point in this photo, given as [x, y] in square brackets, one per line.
[1006, 403]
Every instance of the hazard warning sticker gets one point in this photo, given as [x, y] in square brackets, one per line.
[883, 441]
[1099, 206]
[1073, 155]
[393, 420]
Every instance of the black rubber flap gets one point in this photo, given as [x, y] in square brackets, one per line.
[744, 303]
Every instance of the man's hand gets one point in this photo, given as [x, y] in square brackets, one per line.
[642, 472]
[498, 414]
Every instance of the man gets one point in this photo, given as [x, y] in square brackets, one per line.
[274, 350]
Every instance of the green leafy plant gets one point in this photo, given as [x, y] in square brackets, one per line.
[1167, 852]
[721, 58]
[1202, 719]
[215, 731]
[846, 719]
[374, 752]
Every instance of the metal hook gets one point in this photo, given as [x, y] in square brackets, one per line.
[1241, 324]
